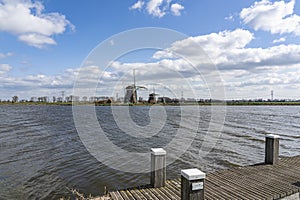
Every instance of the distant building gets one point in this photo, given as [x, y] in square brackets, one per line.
[141, 99]
[190, 100]
[164, 100]
[43, 99]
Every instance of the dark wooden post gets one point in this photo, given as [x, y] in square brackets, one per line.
[192, 184]
[158, 167]
[272, 149]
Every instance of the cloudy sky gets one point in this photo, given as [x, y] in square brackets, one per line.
[247, 47]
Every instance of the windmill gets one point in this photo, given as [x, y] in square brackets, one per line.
[152, 96]
[131, 91]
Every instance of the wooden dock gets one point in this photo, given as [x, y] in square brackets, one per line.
[251, 182]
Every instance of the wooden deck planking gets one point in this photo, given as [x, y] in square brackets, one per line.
[250, 182]
[245, 183]
[148, 194]
[232, 189]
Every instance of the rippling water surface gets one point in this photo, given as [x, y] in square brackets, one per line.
[42, 154]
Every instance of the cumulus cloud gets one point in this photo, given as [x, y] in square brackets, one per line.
[276, 17]
[242, 67]
[26, 19]
[34, 85]
[153, 8]
[138, 5]
[158, 8]
[176, 9]
[216, 45]
[4, 69]
[159, 70]
[279, 40]
[229, 51]
[283, 80]
[36, 40]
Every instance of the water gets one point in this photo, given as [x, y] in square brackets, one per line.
[42, 156]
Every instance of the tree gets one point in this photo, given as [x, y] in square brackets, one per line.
[15, 99]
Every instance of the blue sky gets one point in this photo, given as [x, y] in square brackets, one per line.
[255, 46]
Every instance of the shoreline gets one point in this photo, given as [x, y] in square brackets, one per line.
[288, 103]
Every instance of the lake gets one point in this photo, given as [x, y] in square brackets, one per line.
[43, 156]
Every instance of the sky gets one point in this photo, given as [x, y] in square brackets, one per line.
[201, 49]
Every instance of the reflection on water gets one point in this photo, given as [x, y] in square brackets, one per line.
[42, 155]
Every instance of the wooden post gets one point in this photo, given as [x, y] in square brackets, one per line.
[158, 167]
[272, 149]
[192, 184]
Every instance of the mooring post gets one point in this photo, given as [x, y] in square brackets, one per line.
[158, 167]
[192, 184]
[272, 149]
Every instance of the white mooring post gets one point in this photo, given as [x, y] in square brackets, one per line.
[192, 184]
[272, 149]
[158, 167]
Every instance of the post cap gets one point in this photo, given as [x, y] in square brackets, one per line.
[192, 174]
[272, 136]
[158, 151]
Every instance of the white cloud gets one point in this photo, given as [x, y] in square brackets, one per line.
[229, 18]
[158, 8]
[257, 71]
[229, 51]
[176, 9]
[34, 85]
[160, 70]
[36, 40]
[243, 68]
[153, 8]
[138, 5]
[26, 19]
[220, 47]
[5, 55]
[277, 17]
[283, 80]
[4, 69]
[279, 40]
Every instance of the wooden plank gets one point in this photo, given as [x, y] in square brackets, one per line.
[210, 192]
[250, 182]
[268, 181]
[148, 193]
[241, 180]
[137, 195]
[173, 188]
[116, 196]
[159, 194]
[234, 190]
[261, 183]
[169, 193]
[126, 195]
[236, 187]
